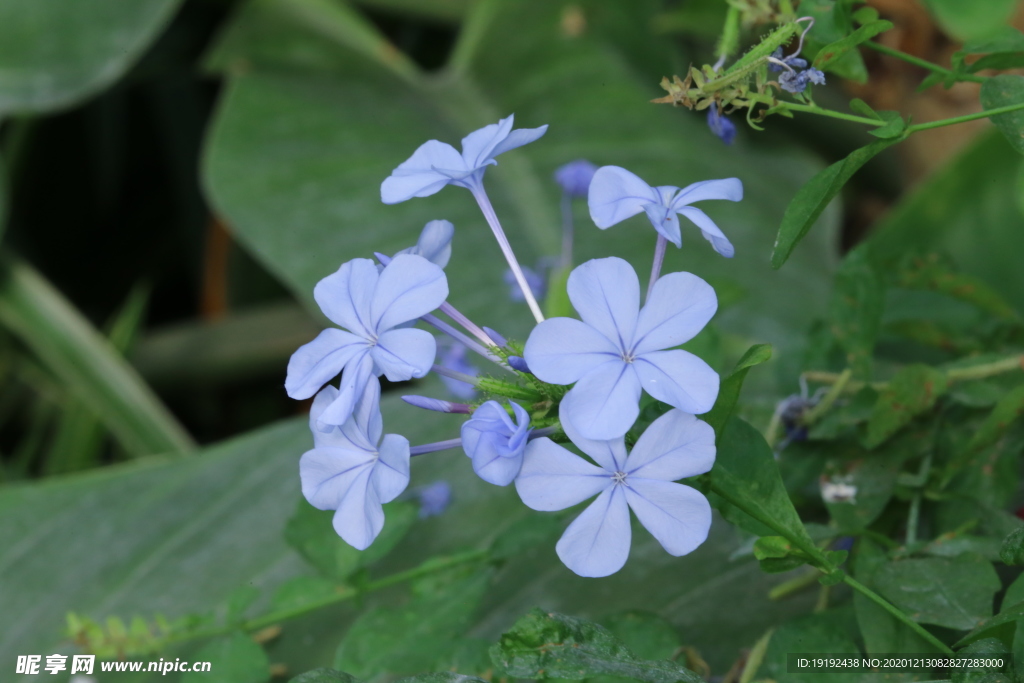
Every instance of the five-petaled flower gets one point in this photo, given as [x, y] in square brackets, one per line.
[617, 194]
[351, 469]
[436, 164]
[495, 442]
[372, 306]
[675, 446]
[619, 348]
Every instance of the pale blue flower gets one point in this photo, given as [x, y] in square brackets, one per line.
[720, 124]
[616, 194]
[436, 164]
[796, 82]
[351, 469]
[619, 349]
[434, 498]
[435, 243]
[675, 446]
[371, 306]
[575, 177]
[792, 61]
[495, 442]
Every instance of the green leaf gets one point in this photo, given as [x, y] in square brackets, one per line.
[988, 648]
[832, 22]
[955, 593]
[968, 208]
[237, 660]
[1001, 91]
[419, 635]
[77, 354]
[311, 532]
[930, 273]
[747, 477]
[56, 53]
[1007, 615]
[445, 677]
[303, 590]
[813, 634]
[911, 392]
[524, 534]
[881, 631]
[557, 303]
[549, 645]
[1012, 550]
[833, 52]
[1002, 50]
[894, 128]
[971, 20]
[310, 149]
[1005, 413]
[325, 676]
[858, 300]
[729, 391]
[647, 635]
[812, 199]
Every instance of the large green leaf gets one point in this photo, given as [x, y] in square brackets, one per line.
[1002, 91]
[319, 111]
[975, 19]
[57, 52]
[86, 362]
[969, 209]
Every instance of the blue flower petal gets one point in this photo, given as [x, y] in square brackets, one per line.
[575, 177]
[478, 147]
[415, 177]
[678, 516]
[675, 446]
[617, 194]
[679, 379]
[562, 350]
[665, 222]
[318, 362]
[597, 542]
[518, 138]
[730, 189]
[605, 402]
[364, 427]
[358, 373]
[495, 443]
[711, 232]
[435, 243]
[344, 296]
[360, 516]
[606, 294]
[679, 307]
[553, 478]
[409, 287]
[328, 473]
[608, 453]
[391, 473]
[405, 353]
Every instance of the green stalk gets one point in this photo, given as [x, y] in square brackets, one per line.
[966, 117]
[814, 109]
[827, 567]
[923, 63]
[981, 371]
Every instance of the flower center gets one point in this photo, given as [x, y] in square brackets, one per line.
[619, 477]
[628, 356]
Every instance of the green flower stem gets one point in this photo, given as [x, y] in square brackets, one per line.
[344, 594]
[894, 611]
[966, 117]
[815, 413]
[981, 371]
[923, 63]
[822, 563]
[820, 111]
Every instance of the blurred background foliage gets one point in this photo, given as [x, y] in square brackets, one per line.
[177, 176]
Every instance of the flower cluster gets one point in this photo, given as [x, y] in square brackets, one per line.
[583, 379]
